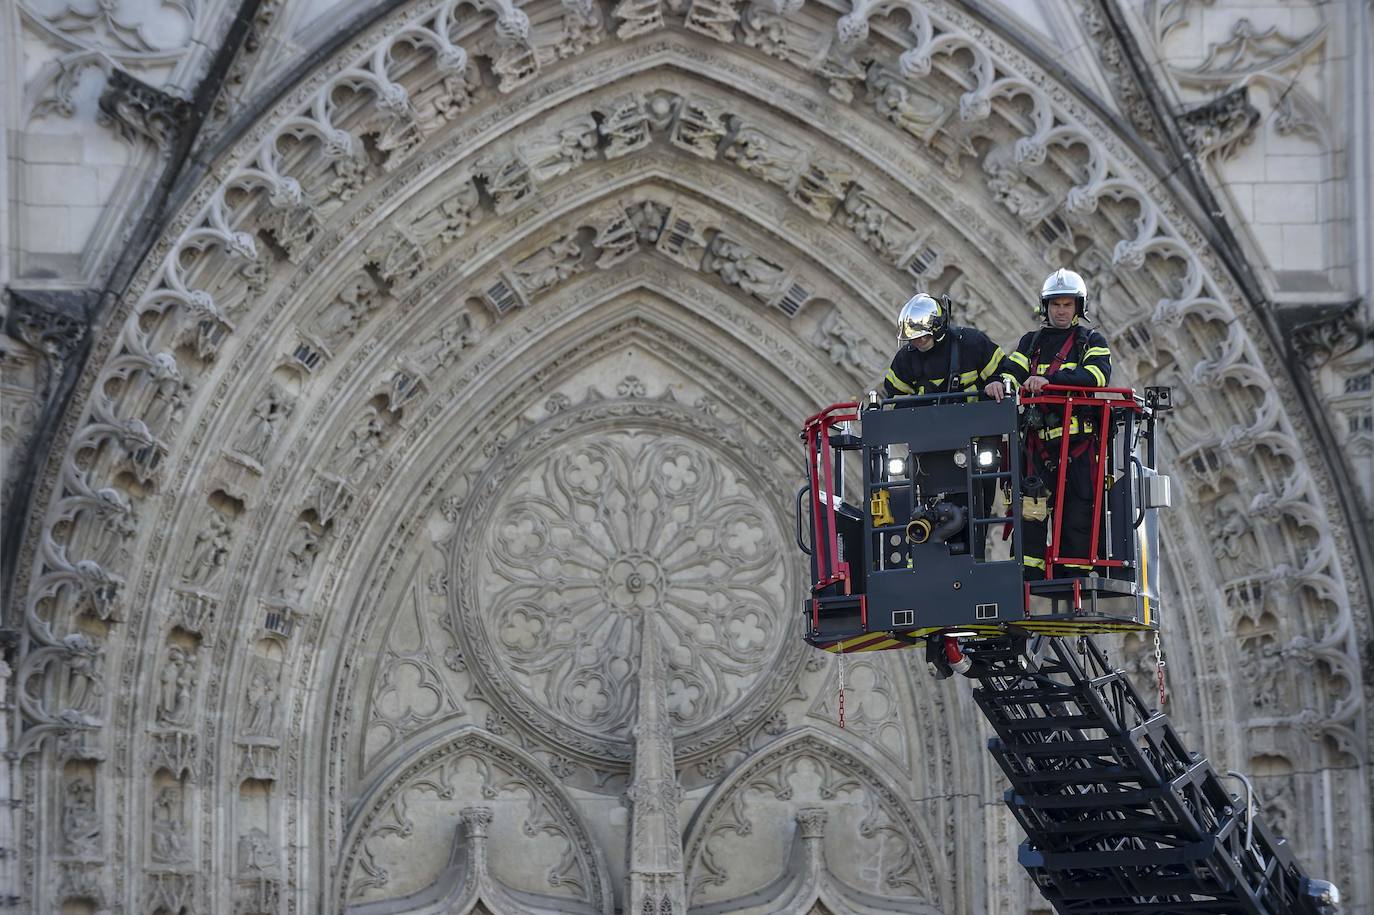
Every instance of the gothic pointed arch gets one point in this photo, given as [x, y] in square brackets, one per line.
[329, 443]
[838, 797]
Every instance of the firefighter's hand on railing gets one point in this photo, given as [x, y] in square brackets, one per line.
[996, 390]
[1035, 384]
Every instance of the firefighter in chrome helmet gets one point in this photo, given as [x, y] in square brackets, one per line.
[936, 356]
[1062, 351]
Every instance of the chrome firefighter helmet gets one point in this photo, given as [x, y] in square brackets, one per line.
[921, 316]
[1060, 283]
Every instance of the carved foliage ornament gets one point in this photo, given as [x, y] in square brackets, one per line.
[1244, 394]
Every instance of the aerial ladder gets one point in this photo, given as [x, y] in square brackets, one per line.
[1119, 815]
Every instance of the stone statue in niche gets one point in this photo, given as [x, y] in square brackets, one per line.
[358, 454]
[844, 345]
[342, 318]
[158, 395]
[177, 688]
[442, 347]
[85, 676]
[876, 227]
[551, 265]
[257, 856]
[293, 575]
[738, 266]
[168, 828]
[117, 524]
[262, 428]
[262, 705]
[570, 145]
[913, 112]
[208, 553]
[765, 157]
[80, 824]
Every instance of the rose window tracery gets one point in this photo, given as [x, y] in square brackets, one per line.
[606, 533]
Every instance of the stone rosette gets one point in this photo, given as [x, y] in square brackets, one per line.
[602, 521]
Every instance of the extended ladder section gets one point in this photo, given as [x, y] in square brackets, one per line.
[1120, 816]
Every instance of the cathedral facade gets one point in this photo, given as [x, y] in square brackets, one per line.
[400, 417]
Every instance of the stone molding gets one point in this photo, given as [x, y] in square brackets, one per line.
[125, 425]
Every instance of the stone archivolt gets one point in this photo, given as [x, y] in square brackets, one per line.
[317, 258]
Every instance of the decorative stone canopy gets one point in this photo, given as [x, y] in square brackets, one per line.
[491, 335]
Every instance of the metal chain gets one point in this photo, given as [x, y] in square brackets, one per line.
[1159, 670]
[841, 674]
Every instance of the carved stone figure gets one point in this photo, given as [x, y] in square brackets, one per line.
[265, 419]
[876, 226]
[442, 347]
[340, 320]
[765, 157]
[168, 828]
[738, 266]
[80, 823]
[551, 265]
[85, 676]
[293, 574]
[845, 345]
[357, 455]
[570, 145]
[177, 686]
[208, 553]
[917, 114]
[257, 855]
[262, 698]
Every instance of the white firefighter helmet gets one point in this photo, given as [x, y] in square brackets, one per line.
[921, 316]
[1064, 282]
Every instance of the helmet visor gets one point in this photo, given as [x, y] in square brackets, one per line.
[920, 317]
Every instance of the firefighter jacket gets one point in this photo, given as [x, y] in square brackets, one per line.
[966, 353]
[1088, 364]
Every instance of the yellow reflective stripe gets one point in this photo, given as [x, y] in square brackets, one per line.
[1033, 562]
[898, 383]
[1097, 373]
[1074, 428]
[968, 377]
[1045, 366]
[993, 363]
[1074, 565]
[1096, 351]
[1020, 359]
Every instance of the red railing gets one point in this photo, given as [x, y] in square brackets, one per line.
[830, 569]
[1097, 403]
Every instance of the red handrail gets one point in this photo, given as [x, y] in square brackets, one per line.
[1081, 398]
[825, 533]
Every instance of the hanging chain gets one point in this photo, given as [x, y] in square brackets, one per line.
[1159, 670]
[841, 674]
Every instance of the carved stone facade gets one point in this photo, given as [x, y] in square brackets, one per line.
[417, 534]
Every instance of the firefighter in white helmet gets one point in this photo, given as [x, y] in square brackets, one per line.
[1062, 351]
